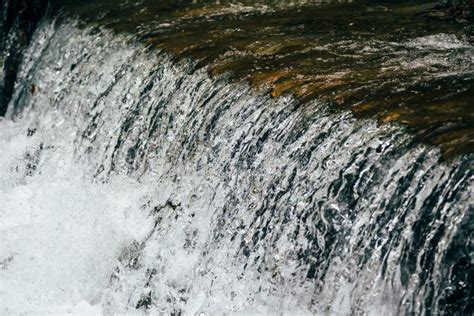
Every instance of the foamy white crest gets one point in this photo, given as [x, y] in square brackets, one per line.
[438, 41]
[60, 233]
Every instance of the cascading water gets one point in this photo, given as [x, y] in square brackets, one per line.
[134, 182]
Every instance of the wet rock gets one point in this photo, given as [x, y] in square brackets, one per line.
[31, 132]
[144, 302]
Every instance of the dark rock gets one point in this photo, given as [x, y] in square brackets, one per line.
[31, 132]
[144, 302]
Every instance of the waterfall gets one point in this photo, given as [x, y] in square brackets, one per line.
[132, 181]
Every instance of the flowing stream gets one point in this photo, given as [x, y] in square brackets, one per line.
[135, 182]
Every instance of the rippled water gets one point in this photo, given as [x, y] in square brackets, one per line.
[133, 181]
[380, 60]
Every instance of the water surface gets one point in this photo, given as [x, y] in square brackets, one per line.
[378, 59]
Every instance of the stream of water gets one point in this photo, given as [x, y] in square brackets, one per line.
[133, 181]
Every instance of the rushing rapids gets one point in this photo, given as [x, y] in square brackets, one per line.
[135, 181]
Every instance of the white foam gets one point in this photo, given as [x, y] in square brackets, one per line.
[438, 41]
[60, 233]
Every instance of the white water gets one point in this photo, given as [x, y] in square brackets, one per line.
[60, 233]
[78, 229]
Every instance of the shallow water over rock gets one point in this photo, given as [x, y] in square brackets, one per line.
[379, 60]
[138, 181]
